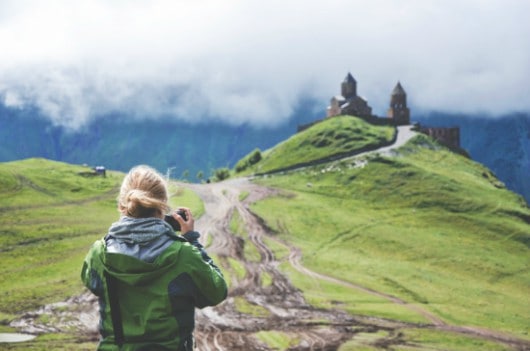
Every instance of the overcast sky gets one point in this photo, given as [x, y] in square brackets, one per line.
[250, 61]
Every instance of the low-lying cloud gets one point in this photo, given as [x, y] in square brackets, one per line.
[250, 61]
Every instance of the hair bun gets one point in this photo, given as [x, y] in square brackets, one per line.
[143, 193]
[135, 202]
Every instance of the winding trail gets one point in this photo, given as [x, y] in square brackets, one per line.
[296, 255]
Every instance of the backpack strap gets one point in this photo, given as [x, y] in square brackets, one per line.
[117, 325]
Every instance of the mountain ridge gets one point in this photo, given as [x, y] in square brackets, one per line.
[185, 149]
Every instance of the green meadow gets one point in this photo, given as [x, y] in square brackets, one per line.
[428, 226]
[50, 214]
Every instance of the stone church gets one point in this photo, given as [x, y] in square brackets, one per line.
[398, 113]
[349, 103]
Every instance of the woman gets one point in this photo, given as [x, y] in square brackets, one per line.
[148, 279]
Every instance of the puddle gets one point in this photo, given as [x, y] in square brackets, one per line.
[15, 337]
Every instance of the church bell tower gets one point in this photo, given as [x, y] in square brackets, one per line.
[349, 87]
[398, 111]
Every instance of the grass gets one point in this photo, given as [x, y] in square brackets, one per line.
[243, 306]
[328, 295]
[52, 341]
[430, 227]
[335, 136]
[421, 340]
[50, 216]
[236, 268]
[180, 196]
[440, 340]
[277, 340]
[433, 228]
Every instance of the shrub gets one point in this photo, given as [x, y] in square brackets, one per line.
[249, 160]
[221, 174]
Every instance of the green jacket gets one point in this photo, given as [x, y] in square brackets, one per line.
[156, 280]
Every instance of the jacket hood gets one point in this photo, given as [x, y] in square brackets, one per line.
[138, 250]
[138, 230]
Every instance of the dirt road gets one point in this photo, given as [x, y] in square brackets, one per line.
[286, 311]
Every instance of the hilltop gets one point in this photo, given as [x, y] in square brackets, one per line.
[338, 137]
[417, 247]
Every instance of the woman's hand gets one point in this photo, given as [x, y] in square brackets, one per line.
[186, 225]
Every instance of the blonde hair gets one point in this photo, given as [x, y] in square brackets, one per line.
[143, 193]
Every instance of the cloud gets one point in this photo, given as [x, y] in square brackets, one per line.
[249, 61]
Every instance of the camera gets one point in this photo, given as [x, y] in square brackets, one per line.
[173, 222]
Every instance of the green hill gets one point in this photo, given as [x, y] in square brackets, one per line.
[428, 226]
[50, 214]
[335, 138]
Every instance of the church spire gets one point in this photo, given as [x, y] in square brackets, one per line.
[349, 79]
[398, 110]
[398, 90]
[349, 87]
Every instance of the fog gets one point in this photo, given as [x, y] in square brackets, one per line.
[252, 61]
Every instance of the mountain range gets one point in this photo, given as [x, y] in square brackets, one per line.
[192, 150]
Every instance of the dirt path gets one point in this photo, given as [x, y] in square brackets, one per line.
[295, 257]
[284, 308]
[404, 134]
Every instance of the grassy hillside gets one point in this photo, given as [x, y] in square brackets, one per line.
[335, 137]
[50, 215]
[430, 227]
